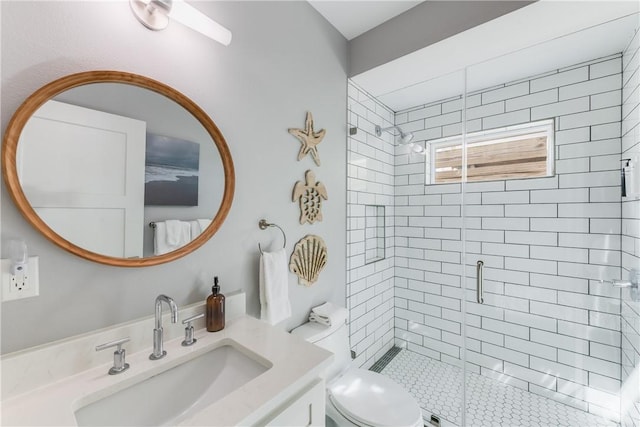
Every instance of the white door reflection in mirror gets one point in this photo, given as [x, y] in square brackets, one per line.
[89, 184]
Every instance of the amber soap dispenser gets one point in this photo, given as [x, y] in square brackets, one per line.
[215, 308]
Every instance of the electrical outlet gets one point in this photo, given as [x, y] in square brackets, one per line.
[21, 285]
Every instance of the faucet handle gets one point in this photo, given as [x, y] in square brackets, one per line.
[119, 365]
[188, 331]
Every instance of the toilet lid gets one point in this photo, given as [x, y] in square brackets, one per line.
[373, 399]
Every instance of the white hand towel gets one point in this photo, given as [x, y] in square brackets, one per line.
[204, 224]
[195, 229]
[329, 314]
[274, 287]
[171, 235]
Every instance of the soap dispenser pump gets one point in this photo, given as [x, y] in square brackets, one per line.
[215, 308]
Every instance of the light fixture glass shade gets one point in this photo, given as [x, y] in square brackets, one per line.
[193, 18]
[155, 15]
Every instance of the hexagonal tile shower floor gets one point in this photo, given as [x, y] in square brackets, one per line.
[436, 386]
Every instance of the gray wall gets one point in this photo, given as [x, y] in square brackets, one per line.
[421, 26]
[254, 89]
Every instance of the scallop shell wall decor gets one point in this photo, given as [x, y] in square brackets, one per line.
[308, 259]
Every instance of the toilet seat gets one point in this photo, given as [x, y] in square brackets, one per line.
[367, 398]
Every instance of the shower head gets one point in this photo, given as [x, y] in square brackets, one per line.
[405, 138]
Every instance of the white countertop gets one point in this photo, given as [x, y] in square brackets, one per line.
[294, 362]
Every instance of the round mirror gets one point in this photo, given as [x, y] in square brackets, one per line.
[118, 168]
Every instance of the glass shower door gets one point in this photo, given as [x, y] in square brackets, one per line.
[548, 343]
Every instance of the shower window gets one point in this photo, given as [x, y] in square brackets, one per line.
[522, 151]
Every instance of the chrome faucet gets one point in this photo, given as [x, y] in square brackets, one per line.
[158, 352]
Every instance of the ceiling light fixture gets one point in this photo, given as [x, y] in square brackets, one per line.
[155, 15]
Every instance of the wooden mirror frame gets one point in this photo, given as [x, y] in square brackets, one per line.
[49, 91]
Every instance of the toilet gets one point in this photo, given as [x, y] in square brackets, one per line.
[359, 397]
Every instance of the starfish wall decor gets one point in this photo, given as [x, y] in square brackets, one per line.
[309, 139]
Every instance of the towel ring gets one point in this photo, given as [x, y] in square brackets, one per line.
[263, 224]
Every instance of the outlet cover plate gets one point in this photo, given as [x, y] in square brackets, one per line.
[13, 289]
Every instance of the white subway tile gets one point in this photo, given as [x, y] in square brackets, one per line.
[592, 179]
[604, 320]
[510, 329]
[506, 197]
[532, 183]
[532, 210]
[530, 238]
[589, 302]
[507, 92]
[502, 249]
[531, 293]
[571, 136]
[560, 79]
[570, 284]
[604, 383]
[486, 186]
[535, 377]
[578, 165]
[605, 163]
[532, 348]
[485, 110]
[590, 118]
[485, 361]
[605, 68]
[579, 225]
[606, 99]
[570, 106]
[589, 210]
[506, 354]
[560, 341]
[591, 333]
[587, 149]
[533, 100]
[560, 370]
[559, 312]
[591, 87]
[444, 119]
[606, 352]
[484, 211]
[590, 364]
[485, 335]
[604, 257]
[434, 110]
[606, 131]
[530, 320]
[531, 265]
[560, 195]
[605, 226]
[589, 241]
[496, 236]
[587, 271]
[510, 118]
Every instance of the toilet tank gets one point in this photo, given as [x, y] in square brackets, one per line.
[333, 338]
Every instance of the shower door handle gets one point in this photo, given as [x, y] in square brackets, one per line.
[479, 279]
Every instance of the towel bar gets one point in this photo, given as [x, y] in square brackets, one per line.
[263, 224]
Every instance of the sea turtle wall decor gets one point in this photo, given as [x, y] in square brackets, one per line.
[308, 259]
[310, 195]
[309, 139]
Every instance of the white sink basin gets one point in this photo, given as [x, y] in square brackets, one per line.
[175, 394]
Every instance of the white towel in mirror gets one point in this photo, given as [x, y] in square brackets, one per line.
[170, 235]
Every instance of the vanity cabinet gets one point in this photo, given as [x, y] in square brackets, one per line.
[306, 408]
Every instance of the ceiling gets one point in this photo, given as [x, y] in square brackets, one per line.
[353, 18]
[572, 32]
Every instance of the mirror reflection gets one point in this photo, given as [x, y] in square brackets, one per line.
[120, 170]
